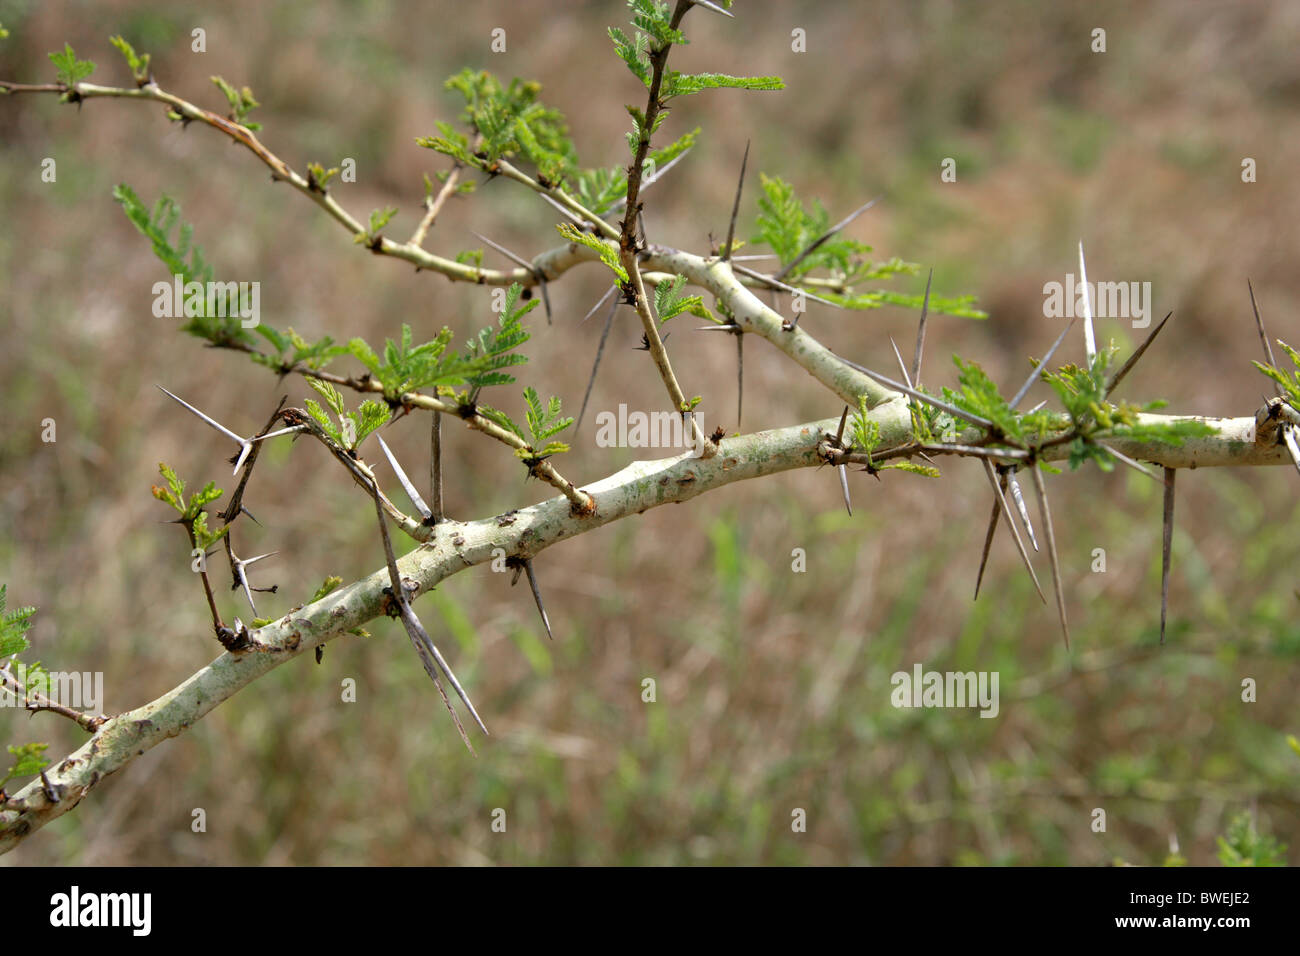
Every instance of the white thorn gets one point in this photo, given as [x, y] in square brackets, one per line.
[1089, 339]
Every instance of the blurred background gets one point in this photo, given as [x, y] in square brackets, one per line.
[773, 687]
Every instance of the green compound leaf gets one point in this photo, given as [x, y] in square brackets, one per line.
[608, 254]
[13, 627]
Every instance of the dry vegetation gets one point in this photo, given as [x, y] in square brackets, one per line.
[773, 687]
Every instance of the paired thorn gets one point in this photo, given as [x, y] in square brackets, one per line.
[1089, 338]
[520, 260]
[1000, 496]
[600, 350]
[1133, 359]
[425, 512]
[237, 567]
[735, 209]
[245, 444]
[1038, 369]
[430, 657]
[1045, 513]
[1166, 549]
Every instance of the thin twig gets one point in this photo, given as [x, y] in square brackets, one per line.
[434, 206]
[435, 468]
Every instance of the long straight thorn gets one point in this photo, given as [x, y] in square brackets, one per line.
[1046, 513]
[1166, 549]
[1038, 369]
[420, 640]
[735, 209]
[537, 596]
[828, 234]
[920, 331]
[211, 421]
[600, 350]
[423, 646]
[920, 396]
[776, 285]
[1089, 338]
[844, 487]
[907, 376]
[988, 543]
[1263, 336]
[839, 434]
[1000, 492]
[1019, 498]
[567, 212]
[245, 445]
[1292, 446]
[520, 260]
[407, 485]
[1125, 459]
[1133, 359]
[707, 5]
[278, 432]
[599, 302]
